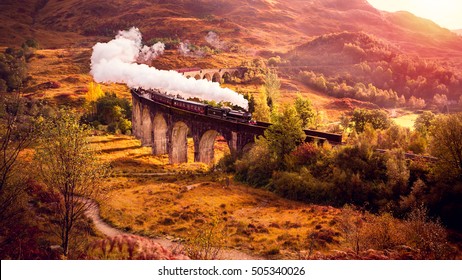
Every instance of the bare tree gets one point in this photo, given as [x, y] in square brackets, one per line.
[16, 134]
[68, 165]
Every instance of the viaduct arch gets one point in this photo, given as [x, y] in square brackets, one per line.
[166, 129]
[214, 75]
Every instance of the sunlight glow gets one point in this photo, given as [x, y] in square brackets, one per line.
[446, 13]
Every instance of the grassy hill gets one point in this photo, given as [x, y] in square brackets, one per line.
[358, 57]
[314, 33]
[274, 25]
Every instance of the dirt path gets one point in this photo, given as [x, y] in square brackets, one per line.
[93, 213]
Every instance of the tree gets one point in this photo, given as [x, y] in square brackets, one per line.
[446, 143]
[428, 236]
[397, 172]
[108, 109]
[304, 110]
[274, 61]
[13, 69]
[94, 92]
[285, 134]
[416, 103]
[257, 165]
[377, 118]
[272, 86]
[107, 112]
[423, 122]
[251, 98]
[394, 137]
[67, 165]
[441, 101]
[16, 134]
[262, 110]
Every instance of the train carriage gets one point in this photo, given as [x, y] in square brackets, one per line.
[161, 98]
[190, 106]
[196, 107]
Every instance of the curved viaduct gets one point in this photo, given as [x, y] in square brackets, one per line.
[166, 128]
[214, 75]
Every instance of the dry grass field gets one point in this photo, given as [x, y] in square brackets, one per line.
[406, 120]
[146, 195]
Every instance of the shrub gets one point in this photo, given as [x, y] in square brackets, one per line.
[13, 69]
[208, 243]
[256, 167]
[306, 154]
[300, 186]
[130, 247]
[108, 110]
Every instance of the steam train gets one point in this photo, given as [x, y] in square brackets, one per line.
[196, 107]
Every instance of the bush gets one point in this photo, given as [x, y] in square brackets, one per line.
[13, 69]
[112, 111]
[257, 166]
[306, 154]
[227, 163]
[300, 186]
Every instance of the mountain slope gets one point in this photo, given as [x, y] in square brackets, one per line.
[275, 25]
[458, 31]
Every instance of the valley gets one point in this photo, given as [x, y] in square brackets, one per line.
[388, 82]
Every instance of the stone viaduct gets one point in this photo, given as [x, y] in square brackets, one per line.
[166, 128]
[214, 75]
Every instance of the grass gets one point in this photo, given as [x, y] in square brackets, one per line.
[69, 69]
[183, 204]
[406, 120]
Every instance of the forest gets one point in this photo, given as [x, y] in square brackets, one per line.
[358, 65]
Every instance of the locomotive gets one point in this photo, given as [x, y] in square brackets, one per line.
[196, 107]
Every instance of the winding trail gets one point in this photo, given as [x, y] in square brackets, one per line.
[93, 213]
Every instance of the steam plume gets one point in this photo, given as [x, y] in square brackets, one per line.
[183, 48]
[115, 61]
[214, 40]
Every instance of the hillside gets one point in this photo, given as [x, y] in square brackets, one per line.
[359, 59]
[458, 31]
[276, 25]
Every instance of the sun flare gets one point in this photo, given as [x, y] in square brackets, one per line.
[444, 12]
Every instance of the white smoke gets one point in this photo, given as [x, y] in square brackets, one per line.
[149, 53]
[187, 49]
[115, 61]
[183, 49]
[214, 40]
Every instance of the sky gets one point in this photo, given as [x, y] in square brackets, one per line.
[446, 13]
